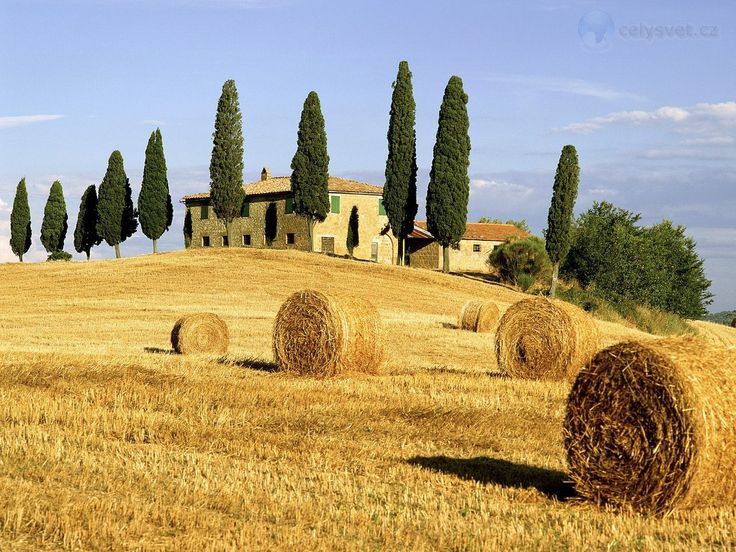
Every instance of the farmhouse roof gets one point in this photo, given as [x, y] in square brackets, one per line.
[480, 231]
[282, 184]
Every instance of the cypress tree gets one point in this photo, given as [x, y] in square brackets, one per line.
[449, 185]
[400, 190]
[55, 220]
[155, 210]
[310, 166]
[559, 219]
[116, 216]
[353, 239]
[188, 229]
[85, 233]
[20, 221]
[226, 164]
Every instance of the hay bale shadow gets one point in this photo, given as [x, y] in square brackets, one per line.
[449, 326]
[159, 351]
[551, 483]
[250, 363]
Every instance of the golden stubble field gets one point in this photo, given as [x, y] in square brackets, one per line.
[109, 442]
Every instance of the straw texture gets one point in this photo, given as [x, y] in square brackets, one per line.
[479, 316]
[651, 426]
[200, 333]
[540, 338]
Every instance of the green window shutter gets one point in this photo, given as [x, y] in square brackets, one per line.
[289, 206]
[381, 207]
[204, 212]
[335, 204]
[245, 208]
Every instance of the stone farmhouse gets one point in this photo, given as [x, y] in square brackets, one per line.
[268, 221]
[470, 254]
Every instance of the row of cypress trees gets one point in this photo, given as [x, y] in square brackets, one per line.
[449, 186]
[109, 215]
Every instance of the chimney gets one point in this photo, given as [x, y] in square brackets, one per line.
[265, 174]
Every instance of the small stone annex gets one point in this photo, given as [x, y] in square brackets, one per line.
[267, 219]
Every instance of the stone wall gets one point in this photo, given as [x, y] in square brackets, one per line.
[335, 226]
[466, 259]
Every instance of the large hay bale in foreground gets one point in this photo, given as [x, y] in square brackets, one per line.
[652, 426]
[479, 316]
[540, 338]
[200, 333]
[323, 335]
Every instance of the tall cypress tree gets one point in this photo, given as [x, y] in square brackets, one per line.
[400, 191]
[559, 219]
[353, 238]
[85, 233]
[154, 202]
[188, 228]
[449, 185]
[55, 220]
[116, 216]
[20, 221]
[226, 164]
[310, 166]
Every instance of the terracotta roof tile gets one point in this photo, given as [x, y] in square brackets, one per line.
[486, 231]
[282, 184]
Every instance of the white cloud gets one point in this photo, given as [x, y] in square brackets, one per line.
[502, 189]
[35, 253]
[708, 119]
[573, 86]
[606, 192]
[23, 120]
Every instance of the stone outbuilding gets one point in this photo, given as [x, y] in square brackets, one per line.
[268, 220]
[470, 254]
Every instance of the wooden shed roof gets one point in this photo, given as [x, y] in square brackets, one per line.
[282, 184]
[482, 231]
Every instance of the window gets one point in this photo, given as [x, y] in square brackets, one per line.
[335, 204]
[381, 207]
[246, 239]
[476, 248]
[204, 213]
[290, 239]
[205, 241]
[225, 241]
[289, 208]
[245, 208]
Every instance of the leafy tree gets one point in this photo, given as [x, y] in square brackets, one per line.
[59, 256]
[55, 220]
[188, 229]
[559, 219]
[521, 261]
[20, 222]
[449, 185]
[520, 224]
[85, 233]
[310, 166]
[154, 202]
[353, 239]
[116, 216]
[656, 266]
[400, 191]
[226, 164]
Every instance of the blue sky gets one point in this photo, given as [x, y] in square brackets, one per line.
[645, 91]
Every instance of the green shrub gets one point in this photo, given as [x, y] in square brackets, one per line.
[521, 262]
[59, 256]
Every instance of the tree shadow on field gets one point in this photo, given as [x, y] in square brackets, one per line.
[250, 363]
[551, 483]
[159, 351]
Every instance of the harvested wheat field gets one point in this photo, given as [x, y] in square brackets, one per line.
[109, 441]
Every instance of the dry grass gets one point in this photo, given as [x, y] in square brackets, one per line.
[717, 334]
[108, 442]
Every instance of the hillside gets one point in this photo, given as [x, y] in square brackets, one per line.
[108, 441]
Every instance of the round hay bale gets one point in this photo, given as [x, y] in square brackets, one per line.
[479, 316]
[651, 426]
[540, 338]
[200, 333]
[322, 335]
